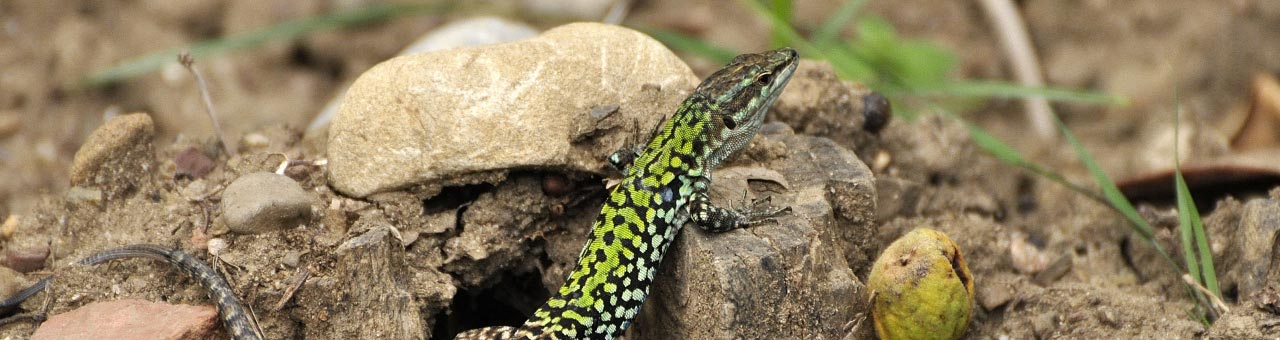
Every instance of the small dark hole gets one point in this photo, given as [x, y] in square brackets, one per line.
[452, 198]
[1026, 196]
[502, 304]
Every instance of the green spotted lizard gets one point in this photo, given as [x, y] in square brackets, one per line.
[665, 186]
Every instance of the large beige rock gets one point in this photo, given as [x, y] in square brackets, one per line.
[460, 115]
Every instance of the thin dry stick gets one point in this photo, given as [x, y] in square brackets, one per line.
[188, 62]
[1012, 32]
[298, 279]
[1214, 299]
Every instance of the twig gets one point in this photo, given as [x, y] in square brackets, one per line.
[298, 279]
[1218, 305]
[283, 164]
[1012, 32]
[188, 62]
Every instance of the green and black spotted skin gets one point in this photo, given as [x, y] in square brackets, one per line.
[665, 186]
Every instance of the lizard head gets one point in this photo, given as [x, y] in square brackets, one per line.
[739, 95]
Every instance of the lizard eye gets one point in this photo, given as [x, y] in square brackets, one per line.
[764, 78]
[729, 123]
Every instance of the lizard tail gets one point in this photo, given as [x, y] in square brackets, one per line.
[234, 316]
[150, 251]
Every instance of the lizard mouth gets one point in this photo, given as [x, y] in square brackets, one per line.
[784, 70]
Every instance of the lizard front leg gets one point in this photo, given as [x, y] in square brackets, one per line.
[712, 218]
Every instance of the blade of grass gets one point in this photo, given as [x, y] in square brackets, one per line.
[1191, 226]
[286, 30]
[692, 45]
[1112, 193]
[1009, 155]
[1184, 226]
[1010, 90]
[829, 32]
[1206, 254]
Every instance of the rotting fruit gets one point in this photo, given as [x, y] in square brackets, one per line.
[921, 288]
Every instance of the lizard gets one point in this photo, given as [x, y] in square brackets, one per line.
[665, 185]
[233, 314]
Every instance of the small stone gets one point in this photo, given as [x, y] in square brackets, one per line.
[264, 201]
[876, 112]
[117, 158]
[1000, 289]
[9, 227]
[27, 259]
[216, 246]
[255, 142]
[1026, 257]
[193, 163]
[1044, 325]
[291, 259]
[556, 185]
[84, 195]
[131, 319]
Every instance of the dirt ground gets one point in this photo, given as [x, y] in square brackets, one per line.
[1095, 279]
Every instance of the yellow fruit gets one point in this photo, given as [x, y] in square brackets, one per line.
[922, 288]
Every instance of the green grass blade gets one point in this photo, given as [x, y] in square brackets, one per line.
[1185, 205]
[1191, 226]
[1010, 90]
[682, 42]
[1109, 189]
[1011, 156]
[1206, 254]
[1112, 193]
[286, 30]
[829, 32]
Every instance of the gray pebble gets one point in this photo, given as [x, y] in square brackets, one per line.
[263, 202]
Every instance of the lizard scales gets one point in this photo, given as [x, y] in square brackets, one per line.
[665, 186]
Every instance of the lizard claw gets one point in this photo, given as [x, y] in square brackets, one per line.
[758, 212]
